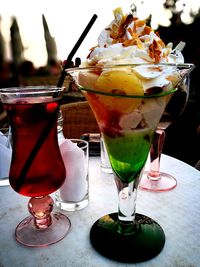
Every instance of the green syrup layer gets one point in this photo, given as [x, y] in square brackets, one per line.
[128, 153]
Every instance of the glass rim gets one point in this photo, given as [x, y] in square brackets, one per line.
[31, 89]
[187, 66]
[80, 141]
[111, 66]
[164, 93]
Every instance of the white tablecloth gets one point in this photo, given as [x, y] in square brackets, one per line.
[177, 211]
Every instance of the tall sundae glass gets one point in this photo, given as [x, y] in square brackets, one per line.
[128, 78]
[37, 169]
[127, 117]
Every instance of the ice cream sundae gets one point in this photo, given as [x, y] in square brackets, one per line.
[129, 60]
[128, 79]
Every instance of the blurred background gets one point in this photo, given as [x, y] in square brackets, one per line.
[37, 36]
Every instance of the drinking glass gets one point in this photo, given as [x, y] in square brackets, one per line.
[155, 180]
[127, 119]
[74, 193]
[37, 169]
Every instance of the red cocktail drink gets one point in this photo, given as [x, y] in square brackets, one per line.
[36, 168]
[28, 120]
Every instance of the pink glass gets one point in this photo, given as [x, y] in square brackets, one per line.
[155, 180]
[37, 169]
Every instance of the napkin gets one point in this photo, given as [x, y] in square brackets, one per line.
[5, 156]
[75, 185]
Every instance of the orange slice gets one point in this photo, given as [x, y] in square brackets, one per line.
[119, 82]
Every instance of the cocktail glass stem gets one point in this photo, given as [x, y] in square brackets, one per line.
[41, 208]
[42, 228]
[127, 194]
[155, 154]
[127, 236]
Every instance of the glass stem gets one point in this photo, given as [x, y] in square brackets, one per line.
[155, 154]
[40, 208]
[127, 194]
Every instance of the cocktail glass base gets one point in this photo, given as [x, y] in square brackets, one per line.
[144, 243]
[27, 234]
[165, 183]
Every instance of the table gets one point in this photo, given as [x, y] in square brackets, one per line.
[177, 211]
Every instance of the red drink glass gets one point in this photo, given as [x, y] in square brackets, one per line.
[37, 169]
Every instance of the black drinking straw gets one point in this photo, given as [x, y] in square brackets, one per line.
[75, 48]
[34, 152]
[47, 129]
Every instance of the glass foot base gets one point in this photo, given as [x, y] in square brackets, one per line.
[27, 234]
[145, 243]
[71, 206]
[165, 183]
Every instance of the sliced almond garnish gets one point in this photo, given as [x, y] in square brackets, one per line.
[146, 30]
[91, 49]
[139, 44]
[114, 31]
[154, 51]
[140, 23]
[161, 43]
[130, 42]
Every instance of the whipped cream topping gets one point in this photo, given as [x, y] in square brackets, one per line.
[129, 40]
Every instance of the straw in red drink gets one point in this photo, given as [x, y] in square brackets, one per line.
[46, 130]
